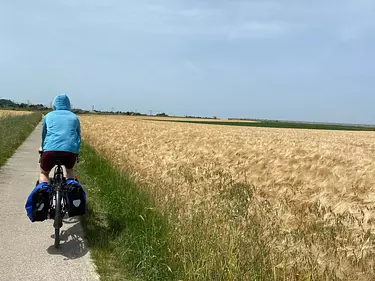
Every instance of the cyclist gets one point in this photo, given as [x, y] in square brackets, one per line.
[61, 138]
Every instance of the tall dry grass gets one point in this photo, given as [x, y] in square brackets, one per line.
[4, 113]
[253, 203]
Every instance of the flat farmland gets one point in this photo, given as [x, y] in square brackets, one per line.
[249, 203]
[186, 119]
[4, 113]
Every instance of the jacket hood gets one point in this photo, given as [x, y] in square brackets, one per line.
[61, 102]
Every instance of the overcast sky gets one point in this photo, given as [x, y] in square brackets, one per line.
[286, 59]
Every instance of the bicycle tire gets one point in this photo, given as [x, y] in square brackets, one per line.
[57, 238]
[58, 219]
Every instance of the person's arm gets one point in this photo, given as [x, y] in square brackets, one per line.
[44, 131]
[79, 134]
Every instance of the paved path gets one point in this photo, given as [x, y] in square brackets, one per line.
[27, 251]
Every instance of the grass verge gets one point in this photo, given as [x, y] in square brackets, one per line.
[128, 237]
[13, 132]
[280, 124]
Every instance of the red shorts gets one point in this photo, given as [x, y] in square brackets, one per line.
[49, 158]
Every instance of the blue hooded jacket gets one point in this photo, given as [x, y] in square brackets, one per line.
[61, 129]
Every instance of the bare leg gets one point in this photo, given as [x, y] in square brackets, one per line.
[44, 177]
[70, 174]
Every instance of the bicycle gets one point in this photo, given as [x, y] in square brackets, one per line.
[58, 198]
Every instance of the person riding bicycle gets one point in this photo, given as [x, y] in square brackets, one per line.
[61, 138]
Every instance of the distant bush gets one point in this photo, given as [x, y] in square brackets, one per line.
[162, 115]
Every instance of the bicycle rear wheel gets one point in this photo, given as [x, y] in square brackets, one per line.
[57, 238]
[58, 219]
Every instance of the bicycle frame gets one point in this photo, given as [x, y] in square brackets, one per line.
[58, 194]
[58, 200]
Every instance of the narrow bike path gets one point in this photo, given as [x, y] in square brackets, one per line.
[26, 249]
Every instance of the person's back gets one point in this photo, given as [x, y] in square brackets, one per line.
[61, 128]
[61, 138]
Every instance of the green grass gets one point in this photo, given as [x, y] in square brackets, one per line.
[128, 237]
[279, 124]
[13, 132]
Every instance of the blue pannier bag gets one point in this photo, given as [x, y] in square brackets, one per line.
[75, 198]
[37, 204]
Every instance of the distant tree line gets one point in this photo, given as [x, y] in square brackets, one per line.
[99, 112]
[199, 117]
[8, 104]
[11, 105]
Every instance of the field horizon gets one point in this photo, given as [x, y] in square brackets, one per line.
[279, 204]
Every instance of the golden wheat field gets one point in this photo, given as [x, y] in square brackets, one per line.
[297, 202]
[4, 113]
[192, 119]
